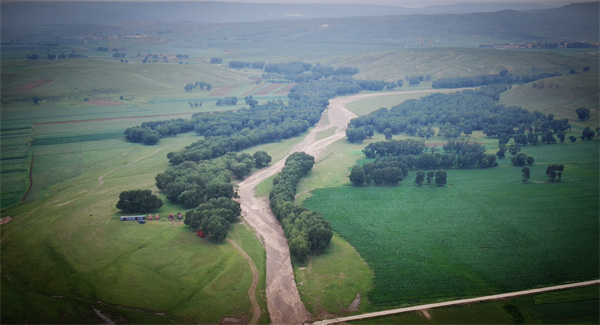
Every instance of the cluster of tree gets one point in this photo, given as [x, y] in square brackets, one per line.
[440, 177]
[307, 231]
[378, 85]
[394, 148]
[149, 133]
[227, 101]
[303, 72]
[195, 104]
[118, 55]
[554, 171]
[246, 65]
[583, 113]
[521, 159]
[269, 122]
[214, 217]
[409, 154]
[588, 134]
[138, 201]
[457, 113]
[62, 56]
[501, 78]
[191, 184]
[383, 170]
[198, 84]
[102, 49]
[416, 80]
[182, 56]
[216, 60]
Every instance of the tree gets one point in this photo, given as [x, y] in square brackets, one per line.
[583, 113]
[420, 177]
[514, 149]
[357, 175]
[440, 177]
[561, 136]
[501, 151]
[532, 138]
[526, 174]
[387, 133]
[36, 100]
[261, 158]
[553, 171]
[138, 201]
[572, 138]
[216, 228]
[430, 177]
[519, 159]
[587, 134]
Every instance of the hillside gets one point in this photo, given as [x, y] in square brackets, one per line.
[575, 22]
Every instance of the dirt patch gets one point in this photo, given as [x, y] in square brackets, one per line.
[354, 304]
[251, 91]
[34, 84]
[5, 220]
[103, 102]
[222, 90]
[232, 320]
[285, 90]
[268, 89]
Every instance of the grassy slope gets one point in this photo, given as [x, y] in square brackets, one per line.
[69, 228]
[81, 249]
[452, 62]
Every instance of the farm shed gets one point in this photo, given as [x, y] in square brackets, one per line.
[132, 218]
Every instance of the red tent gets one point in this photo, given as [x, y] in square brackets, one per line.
[200, 233]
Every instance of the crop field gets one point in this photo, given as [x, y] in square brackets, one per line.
[485, 232]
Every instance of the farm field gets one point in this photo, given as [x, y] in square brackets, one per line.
[462, 240]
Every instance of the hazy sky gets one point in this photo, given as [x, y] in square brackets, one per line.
[403, 3]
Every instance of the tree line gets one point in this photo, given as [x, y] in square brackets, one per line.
[198, 84]
[393, 159]
[483, 80]
[455, 114]
[307, 231]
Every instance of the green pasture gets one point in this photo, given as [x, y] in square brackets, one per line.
[560, 96]
[330, 281]
[67, 241]
[485, 232]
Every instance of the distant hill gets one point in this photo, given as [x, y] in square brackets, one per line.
[366, 33]
[72, 12]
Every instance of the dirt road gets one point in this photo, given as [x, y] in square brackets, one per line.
[455, 302]
[283, 300]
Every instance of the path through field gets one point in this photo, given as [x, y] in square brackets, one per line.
[455, 302]
[283, 300]
[252, 290]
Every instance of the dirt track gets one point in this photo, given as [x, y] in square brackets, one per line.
[283, 300]
[456, 302]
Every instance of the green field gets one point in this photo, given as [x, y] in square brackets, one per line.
[485, 232]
